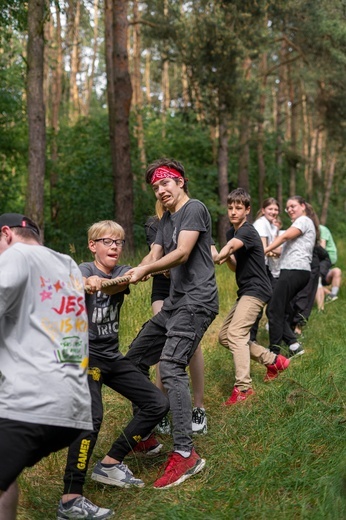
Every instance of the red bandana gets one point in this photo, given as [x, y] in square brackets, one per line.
[164, 172]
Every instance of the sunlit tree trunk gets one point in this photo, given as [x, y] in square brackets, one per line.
[293, 109]
[147, 76]
[90, 77]
[36, 112]
[74, 62]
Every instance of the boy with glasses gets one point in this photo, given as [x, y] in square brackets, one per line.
[107, 366]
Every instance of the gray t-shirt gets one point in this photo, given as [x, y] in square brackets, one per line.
[297, 253]
[43, 339]
[104, 313]
[192, 283]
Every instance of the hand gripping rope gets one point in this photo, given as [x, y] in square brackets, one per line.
[118, 280]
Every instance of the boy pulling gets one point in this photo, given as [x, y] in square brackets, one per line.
[244, 254]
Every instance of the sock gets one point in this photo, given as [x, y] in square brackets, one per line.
[334, 291]
[294, 346]
[184, 454]
[109, 465]
[69, 504]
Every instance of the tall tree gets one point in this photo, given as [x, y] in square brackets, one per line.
[36, 111]
[119, 98]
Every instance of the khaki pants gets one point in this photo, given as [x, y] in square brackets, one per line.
[235, 335]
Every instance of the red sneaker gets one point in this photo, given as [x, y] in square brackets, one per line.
[178, 469]
[238, 395]
[281, 363]
[150, 447]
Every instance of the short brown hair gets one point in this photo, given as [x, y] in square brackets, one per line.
[239, 196]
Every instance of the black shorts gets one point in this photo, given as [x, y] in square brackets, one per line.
[160, 288]
[24, 444]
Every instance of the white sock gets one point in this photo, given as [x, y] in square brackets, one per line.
[294, 346]
[334, 291]
[184, 454]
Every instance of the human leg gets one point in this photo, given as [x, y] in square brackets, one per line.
[9, 502]
[244, 315]
[290, 282]
[196, 370]
[151, 403]
[81, 449]
[333, 278]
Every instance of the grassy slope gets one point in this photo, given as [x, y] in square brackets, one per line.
[279, 455]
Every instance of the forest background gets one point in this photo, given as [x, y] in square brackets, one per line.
[244, 93]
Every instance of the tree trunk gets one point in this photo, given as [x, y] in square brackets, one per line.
[74, 62]
[109, 36]
[123, 178]
[56, 94]
[137, 87]
[223, 221]
[260, 131]
[36, 112]
[328, 187]
[244, 137]
[280, 100]
[147, 76]
[293, 133]
[90, 78]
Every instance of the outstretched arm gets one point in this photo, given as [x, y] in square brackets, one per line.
[232, 245]
[290, 234]
[155, 261]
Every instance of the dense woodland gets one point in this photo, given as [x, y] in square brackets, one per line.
[244, 93]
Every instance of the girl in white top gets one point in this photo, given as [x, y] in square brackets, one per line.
[264, 225]
[295, 267]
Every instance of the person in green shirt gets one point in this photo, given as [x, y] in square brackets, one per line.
[329, 275]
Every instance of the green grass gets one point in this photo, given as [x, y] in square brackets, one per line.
[280, 455]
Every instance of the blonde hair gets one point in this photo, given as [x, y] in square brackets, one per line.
[105, 227]
[159, 209]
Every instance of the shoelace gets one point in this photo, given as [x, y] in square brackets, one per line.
[124, 468]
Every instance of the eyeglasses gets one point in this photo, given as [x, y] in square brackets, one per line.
[108, 242]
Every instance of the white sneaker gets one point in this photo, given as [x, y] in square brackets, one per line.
[164, 426]
[82, 508]
[199, 421]
[117, 475]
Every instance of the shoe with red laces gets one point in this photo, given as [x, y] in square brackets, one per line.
[149, 447]
[178, 469]
[281, 363]
[238, 396]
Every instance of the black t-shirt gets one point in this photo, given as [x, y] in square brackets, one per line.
[251, 273]
[104, 313]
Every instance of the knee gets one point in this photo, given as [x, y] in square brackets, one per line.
[223, 339]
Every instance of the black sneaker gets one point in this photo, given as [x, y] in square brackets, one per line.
[199, 421]
[298, 352]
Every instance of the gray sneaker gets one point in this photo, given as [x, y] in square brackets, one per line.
[199, 421]
[83, 509]
[117, 475]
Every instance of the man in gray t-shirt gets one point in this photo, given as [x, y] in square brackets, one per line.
[44, 396]
[183, 246]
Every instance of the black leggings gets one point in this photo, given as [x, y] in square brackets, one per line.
[279, 310]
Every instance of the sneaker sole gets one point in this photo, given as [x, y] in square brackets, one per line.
[151, 453]
[113, 482]
[64, 517]
[201, 431]
[193, 471]
[293, 355]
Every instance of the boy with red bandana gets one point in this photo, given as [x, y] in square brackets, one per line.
[182, 245]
